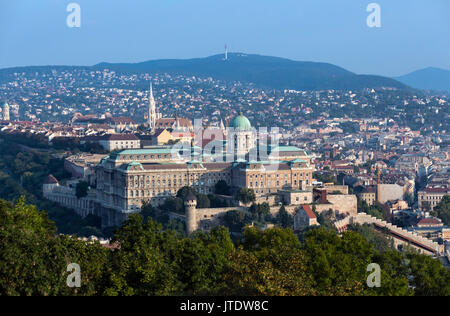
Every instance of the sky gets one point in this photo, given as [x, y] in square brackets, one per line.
[414, 34]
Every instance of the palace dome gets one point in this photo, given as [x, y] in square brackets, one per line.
[241, 123]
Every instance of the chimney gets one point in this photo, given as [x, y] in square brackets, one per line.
[323, 196]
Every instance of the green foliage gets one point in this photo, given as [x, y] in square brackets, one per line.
[151, 259]
[375, 210]
[284, 218]
[260, 211]
[379, 240]
[82, 189]
[222, 188]
[33, 259]
[269, 263]
[246, 196]
[184, 191]
[217, 202]
[22, 172]
[442, 210]
[235, 221]
[338, 264]
[173, 205]
[429, 277]
[202, 199]
[325, 219]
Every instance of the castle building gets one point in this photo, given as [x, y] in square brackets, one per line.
[127, 179]
[241, 135]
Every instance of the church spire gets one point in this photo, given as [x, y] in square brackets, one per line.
[152, 110]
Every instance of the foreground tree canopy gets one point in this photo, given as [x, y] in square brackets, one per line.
[151, 261]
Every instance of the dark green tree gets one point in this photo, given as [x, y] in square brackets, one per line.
[246, 196]
[82, 189]
[222, 188]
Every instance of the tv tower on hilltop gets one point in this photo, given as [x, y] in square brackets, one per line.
[226, 52]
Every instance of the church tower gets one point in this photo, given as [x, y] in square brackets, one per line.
[5, 111]
[152, 116]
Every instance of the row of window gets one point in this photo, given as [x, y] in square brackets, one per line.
[286, 175]
[165, 193]
[269, 183]
[174, 182]
[137, 178]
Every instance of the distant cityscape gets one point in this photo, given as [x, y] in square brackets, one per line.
[97, 147]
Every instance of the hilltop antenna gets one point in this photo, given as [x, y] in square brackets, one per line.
[226, 52]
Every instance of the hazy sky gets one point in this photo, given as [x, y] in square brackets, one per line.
[414, 33]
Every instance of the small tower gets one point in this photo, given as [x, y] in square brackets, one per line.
[190, 204]
[379, 186]
[49, 184]
[226, 52]
[5, 111]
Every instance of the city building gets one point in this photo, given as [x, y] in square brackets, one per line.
[430, 197]
[368, 195]
[5, 112]
[114, 142]
[126, 179]
[304, 217]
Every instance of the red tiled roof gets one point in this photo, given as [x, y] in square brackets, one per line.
[309, 211]
[50, 180]
[429, 221]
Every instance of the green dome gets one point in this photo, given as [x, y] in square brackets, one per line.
[242, 123]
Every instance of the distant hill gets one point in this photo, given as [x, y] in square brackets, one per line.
[264, 71]
[428, 79]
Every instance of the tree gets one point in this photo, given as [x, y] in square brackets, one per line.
[82, 189]
[442, 210]
[173, 205]
[150, 260]
[184, 191]
[222, 188]
[269, 263]
[33, 259]
[284, 218]
[260, 211]
[429, 277]
[337, 264]
[203, 201]
[234, 220]
[246, 196]
[141, 266]
[379, 240]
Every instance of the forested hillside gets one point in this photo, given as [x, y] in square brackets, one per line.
[149, 261]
